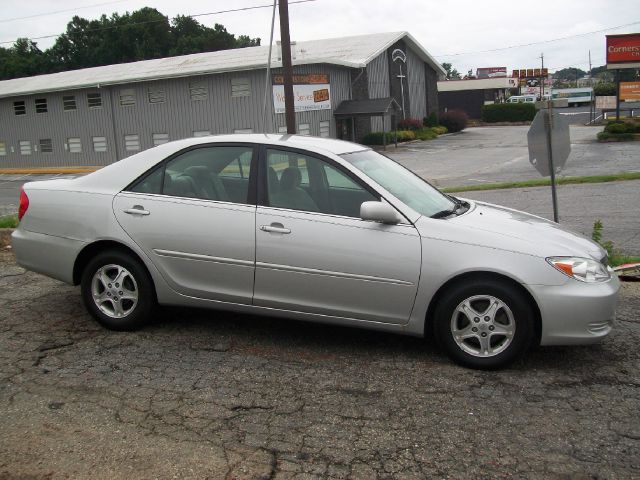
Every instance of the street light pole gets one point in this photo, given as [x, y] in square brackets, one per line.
[287, 70]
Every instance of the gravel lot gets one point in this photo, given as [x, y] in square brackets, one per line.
[220, 396]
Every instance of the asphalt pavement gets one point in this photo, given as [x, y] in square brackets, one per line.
[220, 396]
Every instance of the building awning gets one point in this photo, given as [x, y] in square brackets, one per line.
[368, 108]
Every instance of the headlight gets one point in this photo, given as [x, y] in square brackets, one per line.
[582, 269]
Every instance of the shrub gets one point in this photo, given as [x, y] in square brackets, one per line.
[440, 130]
[431, 120]
[622, 126]
[426, 134]
[376, 138]
[508, 112]
[409, 124]
[454, 120]
[602, 136]
[605, 89]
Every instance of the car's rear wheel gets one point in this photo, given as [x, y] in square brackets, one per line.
[484, 324]
[117, 291]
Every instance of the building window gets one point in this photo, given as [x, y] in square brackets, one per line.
[159, 138]
[74, 144]
[19, 108]
[41, 105]
[325, 128]
[25, 147]
[303, 129]
[240, 87]
[99, 144]
[127, 97]
[3, 149]
[198, 91]
[69, 103]
[243, 130]
[94, 100]
[46, 145]
[282, 129]
[201, 133]
[132, 143]
[156, 96]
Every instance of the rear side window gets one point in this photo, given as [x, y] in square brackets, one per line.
[219, 173]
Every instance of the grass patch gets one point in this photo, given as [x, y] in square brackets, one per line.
[9, 222]
[545, 182]
[615, 256]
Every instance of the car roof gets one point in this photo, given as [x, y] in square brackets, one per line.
[115, 177]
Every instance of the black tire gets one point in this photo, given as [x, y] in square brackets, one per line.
[131, 314]
[486, 348]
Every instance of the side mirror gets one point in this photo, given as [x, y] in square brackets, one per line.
[379, 212]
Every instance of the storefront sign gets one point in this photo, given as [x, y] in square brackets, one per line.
[623, 49]
[630, 91]
[310, 79]
[491, 72]
[530, 73]
[606, 102]
[306, 97]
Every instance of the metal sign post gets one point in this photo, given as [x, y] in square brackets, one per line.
[549, 128]
[549, 146]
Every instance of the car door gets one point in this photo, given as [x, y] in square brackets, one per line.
[199, 234]
[313, 252]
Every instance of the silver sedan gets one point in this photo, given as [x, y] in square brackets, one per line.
[320, 230]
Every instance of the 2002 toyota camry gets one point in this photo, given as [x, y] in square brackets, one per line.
[314, 229]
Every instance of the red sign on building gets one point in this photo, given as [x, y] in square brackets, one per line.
[623, 50]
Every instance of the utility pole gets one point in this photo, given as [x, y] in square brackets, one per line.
[542, 77]
[591, 109]
[287, 71]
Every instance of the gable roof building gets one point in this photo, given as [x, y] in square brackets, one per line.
[99, 115]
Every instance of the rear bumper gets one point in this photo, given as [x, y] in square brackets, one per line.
[576, 313]
[46, 254]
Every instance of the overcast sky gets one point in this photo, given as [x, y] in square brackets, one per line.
[452, 31]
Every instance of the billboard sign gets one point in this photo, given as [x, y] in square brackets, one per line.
[623, 51]
[630, 91]
[531, 73]
[305, 97]
[491, 72]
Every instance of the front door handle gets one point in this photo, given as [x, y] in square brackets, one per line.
[137, 210]
[275, 228]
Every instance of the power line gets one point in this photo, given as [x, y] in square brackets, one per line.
[60, 11]
[538, 43]
[160, 21]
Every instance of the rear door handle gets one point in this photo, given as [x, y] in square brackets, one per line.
[275, 228]
[137, 210]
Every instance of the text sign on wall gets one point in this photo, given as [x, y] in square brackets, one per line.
[623, 48]
[305, 97]
[630, 91]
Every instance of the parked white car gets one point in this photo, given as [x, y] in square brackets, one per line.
[314, 229]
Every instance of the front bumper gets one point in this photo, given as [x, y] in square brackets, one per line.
[576, 313]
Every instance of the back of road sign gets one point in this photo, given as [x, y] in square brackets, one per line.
[539, 142]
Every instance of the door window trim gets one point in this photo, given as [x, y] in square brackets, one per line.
[253, 174]
[263, 192]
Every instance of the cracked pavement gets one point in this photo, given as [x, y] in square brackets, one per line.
[203, 394]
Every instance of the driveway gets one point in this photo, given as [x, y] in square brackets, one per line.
[220, 396]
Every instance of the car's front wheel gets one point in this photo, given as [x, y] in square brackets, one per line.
[117, 291]
[484, 324]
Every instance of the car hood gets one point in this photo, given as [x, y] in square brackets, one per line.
[503, 228]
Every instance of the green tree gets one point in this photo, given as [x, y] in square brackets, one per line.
[452, 73]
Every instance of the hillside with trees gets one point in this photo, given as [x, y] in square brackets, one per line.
[140, 35]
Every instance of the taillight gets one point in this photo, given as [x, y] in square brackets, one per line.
[24, 204]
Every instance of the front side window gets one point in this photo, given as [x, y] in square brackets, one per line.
[19, 107]
[74, 144]
[25, 147]
[401, 182]
[41, 105]
[3, 149]
[99, 144]
[46, 145]
[127, 97]
[69, 103]
[94, 100]
[301, 182]
[218, 173]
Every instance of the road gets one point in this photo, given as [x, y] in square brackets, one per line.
[499, 154]
[220, 396]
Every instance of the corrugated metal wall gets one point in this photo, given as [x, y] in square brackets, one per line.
[178, 116]
[378, 76]
[417, 89]
[57, 125]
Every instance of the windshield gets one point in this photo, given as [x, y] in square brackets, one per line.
[402, 183]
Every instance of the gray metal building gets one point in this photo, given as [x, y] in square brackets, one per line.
[96, 116]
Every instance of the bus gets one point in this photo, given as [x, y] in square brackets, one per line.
[575, 96]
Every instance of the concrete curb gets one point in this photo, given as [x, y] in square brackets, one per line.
[5, 236]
